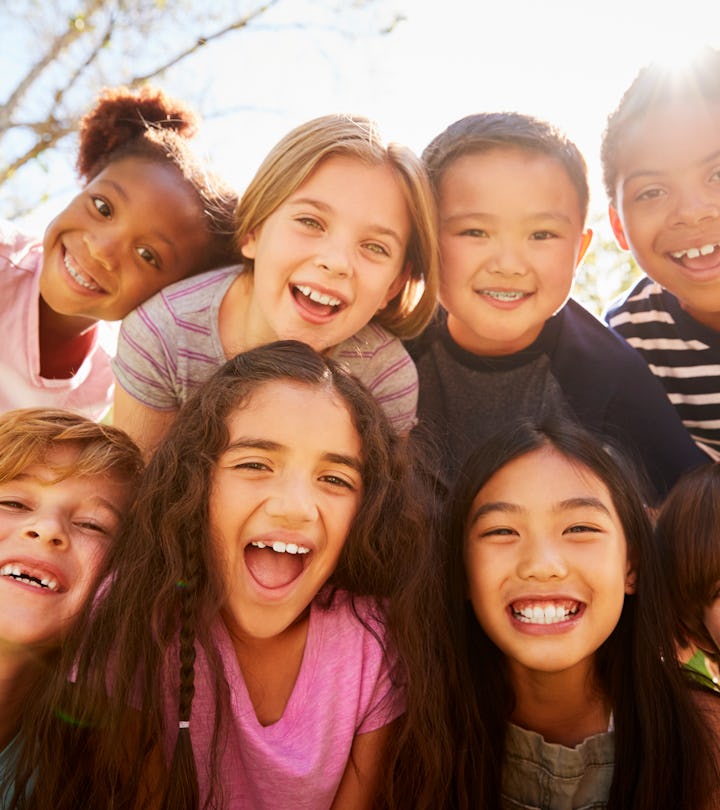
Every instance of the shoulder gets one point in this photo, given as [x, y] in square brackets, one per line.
[645, 296]
[195, 292]
[580, 335]
[185, 304]
[18, 249]
[372, 343]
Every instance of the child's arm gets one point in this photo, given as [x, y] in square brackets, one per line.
[145, 425]
[359, 785]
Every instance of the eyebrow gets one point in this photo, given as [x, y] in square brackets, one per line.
[653, 172]
[383, 230]
[49, 482]
[515, 509]
[250, 443]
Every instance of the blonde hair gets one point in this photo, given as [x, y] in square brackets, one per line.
[27, 435]
[290, 162]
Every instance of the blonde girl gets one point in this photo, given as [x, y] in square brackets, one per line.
[337, 233]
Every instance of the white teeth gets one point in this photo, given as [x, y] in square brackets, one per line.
[318, 297]
[544, 614]
[81, 280]
[694, 252]
[282, 548]
[14, 571]
[504, 295]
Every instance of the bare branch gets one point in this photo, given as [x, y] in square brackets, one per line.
[202, 41]
[50, 138]
[57, 46]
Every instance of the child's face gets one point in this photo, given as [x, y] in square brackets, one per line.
[511, 237]
[134, 229]
[53, 538]
[546, 562]
[330, 256]
[668, 202]
[284, 495]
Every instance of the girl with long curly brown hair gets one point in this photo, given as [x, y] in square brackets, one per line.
[265, 615]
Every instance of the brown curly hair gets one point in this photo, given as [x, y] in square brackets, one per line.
[150, 125]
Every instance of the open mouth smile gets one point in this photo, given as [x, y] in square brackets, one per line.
[276, 564]
[78, 277]
[504, 296]
[22, 574]
[552, 612]
[316, 302]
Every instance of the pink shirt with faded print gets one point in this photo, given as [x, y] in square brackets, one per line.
[89, 391]
[343, 689]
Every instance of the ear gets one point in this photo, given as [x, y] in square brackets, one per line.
[617, 227]
[247, 245]
[396, 285]
[630, 578]
[584, 245]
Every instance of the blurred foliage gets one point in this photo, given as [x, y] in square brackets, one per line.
[606, 271]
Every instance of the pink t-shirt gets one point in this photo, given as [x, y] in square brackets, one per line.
[343, 689]
[89, 391]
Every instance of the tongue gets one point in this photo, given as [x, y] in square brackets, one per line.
[272, 569]
[702, 262]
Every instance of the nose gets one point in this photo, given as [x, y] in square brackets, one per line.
[292, 501]
[507, 260]
[46, 529]
[334, 258]
[694, 207]
[541, 560]
[103, 249]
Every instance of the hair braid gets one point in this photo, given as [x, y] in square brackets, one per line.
[183, 791]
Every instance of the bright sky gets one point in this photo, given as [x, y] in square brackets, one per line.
[565, 60]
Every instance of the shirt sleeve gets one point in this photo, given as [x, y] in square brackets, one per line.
[146, 361]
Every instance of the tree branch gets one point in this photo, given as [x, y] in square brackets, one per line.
[202, 41]
[57, 46]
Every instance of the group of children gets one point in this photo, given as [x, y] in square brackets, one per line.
[382, 552]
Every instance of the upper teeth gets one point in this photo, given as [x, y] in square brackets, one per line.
[14, 571]
[693, 252]
[89, 284]
[318, 297]
[547, 614]
[282, 548]
[504, 295]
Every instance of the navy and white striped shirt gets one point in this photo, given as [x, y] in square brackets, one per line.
[683, 353]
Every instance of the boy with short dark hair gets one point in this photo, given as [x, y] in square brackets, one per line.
[513, 196]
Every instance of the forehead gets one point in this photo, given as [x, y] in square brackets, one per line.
[502, 175]
[296, 415]
[670, 135]
[544, 477]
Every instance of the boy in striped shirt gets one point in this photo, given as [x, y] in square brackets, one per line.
[661, 164]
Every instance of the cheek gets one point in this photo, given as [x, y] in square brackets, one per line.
[711, 620]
